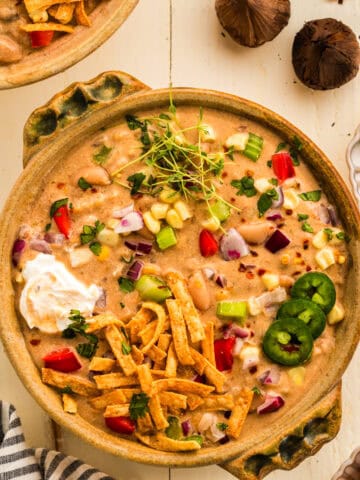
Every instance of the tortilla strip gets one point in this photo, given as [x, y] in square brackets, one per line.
[145, 424]
[45, 27]
[101, 321]
[203, 366]
[147, 333]
[78, 385]
[117, 410]
[145, 379]
[239, 413]
[219, 402]
[111, 398]
[137, 355]
[207, 344]
[63, 12]
[81, 15]
[129, 392]
[158, 373]
[179, 333]
[69, 403]
[182, 385]
[172, 399]
[160, 322]
[155, 353]
[164, 344]
[113, 380]
[194, 401]
[178, 286]
[157, 413]
[115, 339]
[99, 364]
[162, 442]
[35, 5]
[138, 323]
[171, 362]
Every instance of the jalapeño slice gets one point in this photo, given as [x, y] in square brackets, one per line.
[318, 288]
[288, 341]
[306, 311]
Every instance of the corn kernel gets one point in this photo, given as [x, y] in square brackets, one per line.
[207, 133]
[271, 280]
[297, 375]
[151, 269]
[341, 259]
[291, 199]
[159, 210]
[182, 210]
[108, 237]
[212, 224]
[174, 219]
[325, 258]
[253, 306]
[336, 314]
[320, 240]
[151, 223]
[168, 195]
[237, 141]
[112, 223]
[104, 253]
[285, 259]
[262, 185]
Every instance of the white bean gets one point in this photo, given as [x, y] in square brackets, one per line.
[10, 51]
[256, 233]
[199, 291]
[95, 175]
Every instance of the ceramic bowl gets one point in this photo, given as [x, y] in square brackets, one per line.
[68, 49]
[81, 110]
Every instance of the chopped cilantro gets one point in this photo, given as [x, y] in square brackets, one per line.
[135, 181]
[102, 155]
[83, 184]
[79, 326]
[230, 152]
[343, 236]
[313, 196]
[222, 426]
[127, 260]
[302, 216]
[280, 147]
[66, 389]
[297, 143]
[56, 205]
[256, 390]
[138, 406]
[133, 122]
[47, 227]
[306, 227]
[274, 181]
[265, 201]
[329, 233]
[126, 285]
[86, 350]
[89, 233]
[95, 247]
[245, 186]
[125, 348]
[164, 116]
[269, 163]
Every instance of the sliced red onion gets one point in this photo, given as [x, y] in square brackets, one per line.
[224, 440]
[132, 222]
[209, 272]
[274, 216]
[334, 217]
[271, 404]
[101, 301]
[140, 247]
[270, 377]
[279, 202]
[199, 379]
[323, 213]
[234, 330]
[18, 248]
[122, 212]
[239, 343]
[233, 246]
[278, 295]
[40, 245]
[277, 241]
[221, 280]
[134, 272]
[187, 427]
[55, 238]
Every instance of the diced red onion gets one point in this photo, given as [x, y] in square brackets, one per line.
[278, 295]
[270, 377]
[134, 272]
[277, 241]
[221, 280]
[239, 343]
[132, 222]
[17, 250]
[109, 354]
[40, 245]
[224, 440]
[234, 330]
[334, 218]
[122, 212]
[209, 272]
[274, 216]
[324, 214]
[199, 379]
[279, 202]
[101, 301]
[55, 238]
[272, 404]
[215, 433]
[140, 247]
[233, 246]
[187, 427]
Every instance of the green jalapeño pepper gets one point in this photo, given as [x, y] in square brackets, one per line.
[288, 341]
[306, 311]
[318, 288]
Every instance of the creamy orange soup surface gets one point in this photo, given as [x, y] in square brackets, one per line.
[180, 278]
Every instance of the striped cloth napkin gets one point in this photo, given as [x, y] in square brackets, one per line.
[17, 461]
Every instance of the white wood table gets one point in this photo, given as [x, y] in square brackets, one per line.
[181, 41]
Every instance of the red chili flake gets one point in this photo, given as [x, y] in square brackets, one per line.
[35, 341]
[60, 185]
[280, 225]
[253, 369]
[261, 272]
[93, 190]
[249, 173]
[232, 199]
[306, 244]
[308, 268]
[242, 268]
[289, 212]
[243, 220]
[224, 174]
[137, 196]
[252, 333]
[250, 275]
[298, 254]
[253, 253]
[296, 273]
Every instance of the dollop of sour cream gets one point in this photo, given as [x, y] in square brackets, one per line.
[50, 292]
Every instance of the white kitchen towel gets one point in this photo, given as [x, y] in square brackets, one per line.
[18, 461]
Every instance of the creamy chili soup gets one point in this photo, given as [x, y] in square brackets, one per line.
[181, 278]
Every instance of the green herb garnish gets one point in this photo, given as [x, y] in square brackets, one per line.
[306, 227]
[256, 390]
[102, 155]
[245, 186]
[56, 205]
[138, 406]
[66, 389]
[222, 426]
[135, 181]
[47, 227]
[343, 236]
[302, 216]
[280, 147]
[329, 233]
[125, 348]
[89, 233]
[313, 196]
[126, 285]
[274, 181]
[78, 326]
[127, 260]
[95, 247]
[83, 184]
[86, 350]
[265, 201]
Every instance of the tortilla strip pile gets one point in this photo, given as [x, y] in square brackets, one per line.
[176, 341]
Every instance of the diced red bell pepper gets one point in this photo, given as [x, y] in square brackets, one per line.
[283, 166]
[208, 244]
[41, 39]
[63, 360]
[62, 220]
[121, 424]
[223, 353]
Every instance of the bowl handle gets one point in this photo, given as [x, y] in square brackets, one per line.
[319, 425]
[74, 103]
